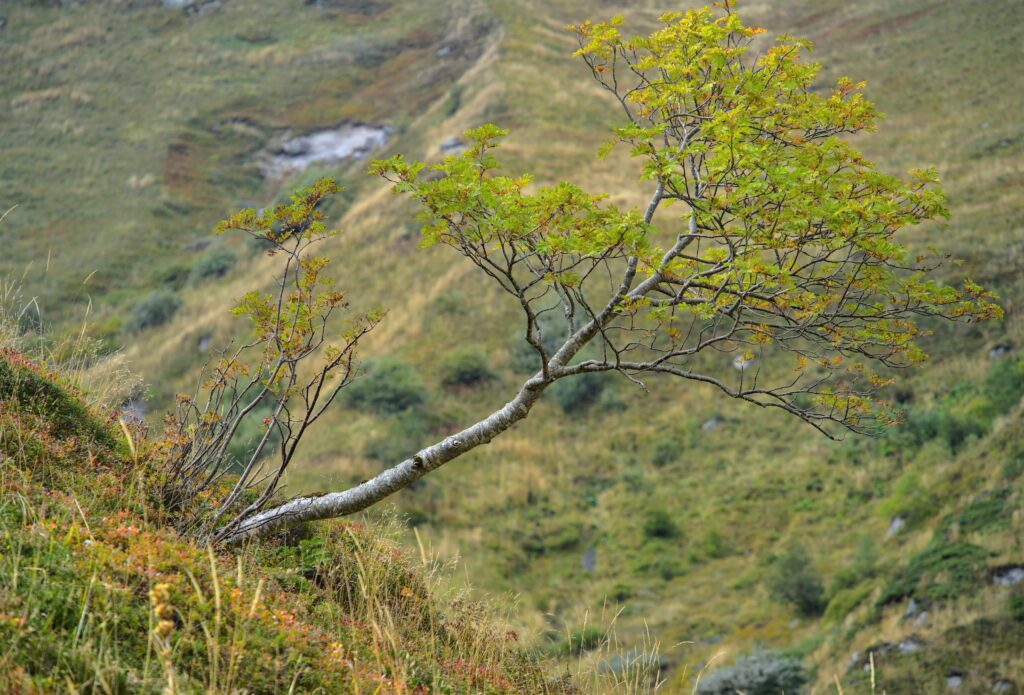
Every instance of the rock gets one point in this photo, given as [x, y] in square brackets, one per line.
[200, 244]
[346, 141]
[854, 658]
[204, 343]
[910, 645]
[1008, 576]
[1003, 686]
[177, 4]
[954, 681]
[912, 609]
[1001, 350]
[921, 620]
[589, 560]
[443, 51]
[712, 424]
[896, 524]
[3, 23]
[453, 146]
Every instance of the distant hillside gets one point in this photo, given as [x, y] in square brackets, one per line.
[124, 148]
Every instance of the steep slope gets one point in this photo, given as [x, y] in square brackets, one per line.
[570, 510]
[100, 593]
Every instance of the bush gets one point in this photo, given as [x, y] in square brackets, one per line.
[577, 393]
[389, 386]
[862, 567]
[155, 309]
[666, 451]
[215, 263]
[760, 673]
[911, 500]
[1016, 607]
[793, 579]
[580, 641]
[659, 524]
[940, 572]
[403, 438]
[467, 367]
[1004, 384]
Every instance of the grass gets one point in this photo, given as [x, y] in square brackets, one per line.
[520, 515]
[98, 593]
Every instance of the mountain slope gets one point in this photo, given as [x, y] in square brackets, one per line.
[557, 511]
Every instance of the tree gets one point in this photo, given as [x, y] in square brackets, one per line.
[780, 249]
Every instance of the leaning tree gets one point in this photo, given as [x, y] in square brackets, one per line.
[766, 236]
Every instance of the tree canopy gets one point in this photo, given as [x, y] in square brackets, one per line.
[767, 237]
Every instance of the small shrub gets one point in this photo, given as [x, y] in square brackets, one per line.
[1014, 466]
[389, 386]
[793, 579]
[760, 673]
[467, 367]
[579, 641]
[1004, 384]
[666, 451]
[620, 592]
[669, 568]
[405, 436]
[940, 572]
[986, 512]
[577, 393]
[712, 545]
[215, 263]
[911, 500]
[1016, 607]
[659, 524]
[862, 567]
[844, 601]
[155, 309]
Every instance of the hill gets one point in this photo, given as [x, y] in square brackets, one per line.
[101, 592]
[671, 509]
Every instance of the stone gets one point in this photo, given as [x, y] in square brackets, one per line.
[1001, 350]
[912, 609]
[1008, 576]
[204, 343]
[910, 645]
[712, 424]
[954, 681]
[896, 524]
[452, 146]
[589, 560]
[1002, 686]
[443, 51]
[350, 140]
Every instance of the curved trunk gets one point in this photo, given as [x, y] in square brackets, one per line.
[393, 479]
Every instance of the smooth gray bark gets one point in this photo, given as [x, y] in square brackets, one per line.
[392, 480]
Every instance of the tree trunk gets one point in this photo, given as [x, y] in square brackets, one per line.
[392, 480]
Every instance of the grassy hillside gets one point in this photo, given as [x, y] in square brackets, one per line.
[99, 593]
[671, 509]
